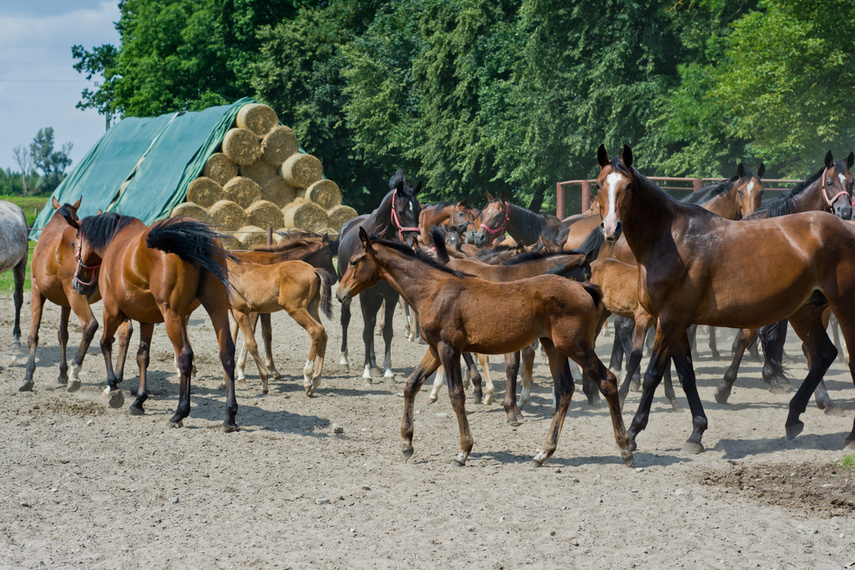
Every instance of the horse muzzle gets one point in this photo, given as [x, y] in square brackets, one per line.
[611, 231]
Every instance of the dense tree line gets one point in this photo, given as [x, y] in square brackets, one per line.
[501, 95]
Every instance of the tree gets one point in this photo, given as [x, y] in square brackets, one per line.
[25, 162]
[51, 162]
[100, 61]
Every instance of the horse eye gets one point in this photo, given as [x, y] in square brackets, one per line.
[353, 262]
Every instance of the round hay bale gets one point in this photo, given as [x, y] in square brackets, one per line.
[242, 191]
[191, 210]
[301, 170]
[278, 191]
[220, 168]
[250, 236]
[306, 216]
[257, 118]
[339, 215]
[229, 241]
[228, 215]
[259, 171]
[278, 145]
[324, 193]
[242, 146]
[265, 214]
[204, 191]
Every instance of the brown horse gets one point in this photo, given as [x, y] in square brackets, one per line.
[694, 268]
[500, 216]
[158, 274]
[466, 314]
[295, 286]
[457, 215]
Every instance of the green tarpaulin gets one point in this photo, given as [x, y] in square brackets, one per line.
[157, 157]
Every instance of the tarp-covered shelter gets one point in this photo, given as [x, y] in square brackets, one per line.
[142, 166]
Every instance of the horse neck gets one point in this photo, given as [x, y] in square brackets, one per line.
[651, 214]
[524, 225]
[810, 199]
[380, 220]
[413, 280]
[723, 204]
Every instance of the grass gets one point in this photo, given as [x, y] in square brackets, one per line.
[7, 280]
[848, 462]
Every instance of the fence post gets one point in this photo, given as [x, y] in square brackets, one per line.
[586, 197]
[697, 184]
[559, 200]
[269, 236]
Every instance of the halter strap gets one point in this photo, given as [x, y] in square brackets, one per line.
[80, 264]
[501, 228]
[831, 201]
[401, 229]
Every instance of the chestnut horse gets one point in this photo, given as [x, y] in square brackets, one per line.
[158, 274]
[458, 216]
[462, 313]
[500, 216]
[694, 269]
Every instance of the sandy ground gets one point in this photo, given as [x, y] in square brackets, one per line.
[88, 486]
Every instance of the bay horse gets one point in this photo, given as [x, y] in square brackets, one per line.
[396, 218]
[461, 313]
[295, 286]
[500, 216]
[692, 270]
[158, 274]
[14, 250]
[458, 216]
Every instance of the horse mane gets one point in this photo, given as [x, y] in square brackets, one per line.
[66, 211]
[397, 178]
[417, 255]
[100, 229]
[707, 193]
[437, 208]
[488, 251]
[529, 219]
[784, 204]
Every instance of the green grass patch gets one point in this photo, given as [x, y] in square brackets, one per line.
[7, 280]
[32, 205]
[848, 462]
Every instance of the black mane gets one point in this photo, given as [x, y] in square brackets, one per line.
[784, 204]
[99, 230]
[66, 211]
[418, 255]
[707, 193]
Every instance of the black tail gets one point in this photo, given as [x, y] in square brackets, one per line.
[326, 291]
[595, 292]
[590, 248]
[772, 338]
[194, 242]
[438, 241]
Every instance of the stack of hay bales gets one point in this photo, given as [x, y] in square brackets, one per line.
[258, 179]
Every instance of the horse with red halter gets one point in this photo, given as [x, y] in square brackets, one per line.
[158, 274]
[396, 218]
[500, 216]
[461, 313]
[459, 216]
[693, 269]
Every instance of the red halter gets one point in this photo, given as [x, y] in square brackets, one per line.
[500, 229]
[831, 201]
[80, 264]
[401, 229]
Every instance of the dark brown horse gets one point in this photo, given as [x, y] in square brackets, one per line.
[158, 274]
[500, 216]
[694, 268]
[466, 314]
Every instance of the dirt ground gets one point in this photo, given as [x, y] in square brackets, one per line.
[84, 485]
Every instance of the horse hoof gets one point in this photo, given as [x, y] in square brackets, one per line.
[309, 391]
[693, 448]
[408, 453]
[534, 464]
[276, 375]
[778, 389]
[676, 407]
[136, 410]
[715, 355]
[27, 386]
[635, 386]
[241, 380]
[62, 380]
[229, 428]
[117, 399]
[221, 386]
[514, 422]
[488, 400]
[73, 386]
[627, 457]
[833, 410]
[795, 429]
[722, 394]
[459, 461]
[431, 400]
[632, 445]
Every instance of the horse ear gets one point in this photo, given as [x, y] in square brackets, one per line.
[626, 156]
[363, 236]
[761, 170]
[100, 211]
[76, 205]
[740, 170]
[489, 197]
[418, 188]
[55, 203]
[850, 160]
[602, 156]
[502, 198]
[829, 159]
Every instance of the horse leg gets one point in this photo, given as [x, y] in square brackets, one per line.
[429, 364]
[388, 333]
[563, 387]
[240, 365]
[112, 391]
[37, 303]
[370, 305]
[683, 362]
[669, 391]
[743, 337]
[146, 331]
[625, 330]
[214, 298]
[244, 323]
[20, 274]
[642, 323]
[807, 322]
[345, 322]
[62, 337]
[450, 358]
[475, 379]
[512, 366]
[267, 338]
[88, 324]
[177, 334]
[713, 343]
[693, 340]
[616, 359]
[315, 361]
[438, 381]
[655, 368]
[490, 389]
[527, 360]
[773, 337]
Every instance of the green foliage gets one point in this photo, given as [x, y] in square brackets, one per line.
[848, 462]
[51, 162]
[11, 183]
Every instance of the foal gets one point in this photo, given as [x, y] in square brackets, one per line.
[461, 313]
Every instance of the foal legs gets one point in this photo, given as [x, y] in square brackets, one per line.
[429, 364]
[345, 322]
[450, 358]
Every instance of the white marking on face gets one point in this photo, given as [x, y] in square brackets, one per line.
[842, 178]
[611, 214]
[750, 187]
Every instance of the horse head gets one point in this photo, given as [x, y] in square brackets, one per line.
[837, 184]
[68, 211]
[749, 189]
[362, 270]
[494, 219]
[405, 208]
[613, 199]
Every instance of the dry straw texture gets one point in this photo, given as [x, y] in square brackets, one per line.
[191, 210]
[259, 171]
[324, 193]
[250, 236]
[278, 145]
[220, 168]
[242, 146]
[339, 215]
[257, 118]
[301, 170]
[243, 191]
[278, 191]
[228, 215]
[305, 216]
[265, 214]
[229, 241]
[204, 192]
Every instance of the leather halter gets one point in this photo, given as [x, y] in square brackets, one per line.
[80, 264]
[401, 229]
[831, 201]
[501, 228]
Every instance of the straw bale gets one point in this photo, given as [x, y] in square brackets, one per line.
[250, 236]
[204, 192]
[259, 171]
[339, 215]
[229, 241]
[305, 216]
[257, 118]
[278, 191]
[301, 170]
[243, 191]
[191, 210]
[324, 193]
[242, 146]
[278, 145]
[265, 214]
[228, 215]
[220, 168]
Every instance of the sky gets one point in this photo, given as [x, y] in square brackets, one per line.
[39, 88]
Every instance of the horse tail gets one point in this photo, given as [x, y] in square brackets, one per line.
[326, 291]
[595, 292]
[438, 241]
[590, 248]
[194, 242]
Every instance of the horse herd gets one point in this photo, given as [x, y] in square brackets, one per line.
[722, 258]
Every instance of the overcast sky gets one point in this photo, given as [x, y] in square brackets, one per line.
[38, 86]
